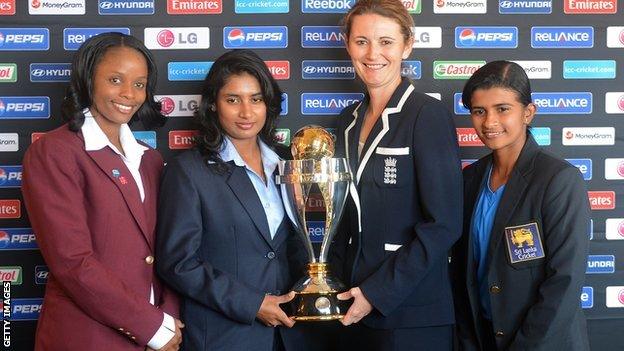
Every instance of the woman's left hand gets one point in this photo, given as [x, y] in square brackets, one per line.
[359, 309]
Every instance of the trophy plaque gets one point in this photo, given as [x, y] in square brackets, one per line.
[314, 169]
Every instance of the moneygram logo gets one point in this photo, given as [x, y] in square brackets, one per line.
[600, 264]
[56, 7]
[589, 6]
[588, 136]
[536, 69]
[563, 103]
[460, 6]
[614, 229]
[24, 39]
[258, 37]
[455, 69]
[279, 69]
[178, 105]
[263, 6]
[7, 7]
[322, 37]
[74, 37]
[50, 72]
[194, 7]
[587, 297]
[24, 107]
[514, 7]
[589, 69]
[411, 69]
[327, 69]
[614, 168]
[326, 6]
[427, 37]
[614, 102]
[10, 176]
[615, 37]
[188, 71]
[10, 209]
[584, 165]
[176, 38]
[9, 142]
[11, 274]
[614, 296]
[601, 200]
[182, 139]
[8, 72]
[562, 37]
[468, 137]
[486, 37]
[126, 7]
[327, 103]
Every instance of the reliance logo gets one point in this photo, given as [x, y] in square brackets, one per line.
[584, 165]
[590, 6]
[562, 37]
[486, 37]
[257, 37]
[74, 37]
[322, 37]
[327, 103]
[563, 103]
[516, 7]
[587, 297]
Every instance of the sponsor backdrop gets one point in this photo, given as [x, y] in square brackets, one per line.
[572, 49]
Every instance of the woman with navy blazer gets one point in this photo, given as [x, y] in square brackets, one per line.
[519, 267]
[404, 212]
[90, 190]
[223, 234]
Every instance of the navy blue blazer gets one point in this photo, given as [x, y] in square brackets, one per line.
[404, 210]
[535, 301]
[215, 249]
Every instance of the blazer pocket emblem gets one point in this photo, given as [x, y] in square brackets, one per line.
[391, 247]
[390, 170]
[524, 243]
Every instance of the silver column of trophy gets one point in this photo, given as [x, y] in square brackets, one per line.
[314, 169]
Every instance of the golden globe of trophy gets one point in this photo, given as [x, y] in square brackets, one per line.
[315, 170]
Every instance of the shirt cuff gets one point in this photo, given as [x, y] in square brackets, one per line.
[164, 333]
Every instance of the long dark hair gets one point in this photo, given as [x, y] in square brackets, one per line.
[79, 93]
[235, 62]
[499, 74]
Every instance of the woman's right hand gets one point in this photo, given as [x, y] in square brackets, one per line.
[270, 312]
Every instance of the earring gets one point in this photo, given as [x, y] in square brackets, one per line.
[213, 108]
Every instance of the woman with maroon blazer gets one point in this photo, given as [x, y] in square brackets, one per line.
[90, 190]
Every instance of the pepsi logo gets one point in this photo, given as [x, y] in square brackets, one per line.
[165, 38]
[236, 37]
[1, 38]
[3, 176]
[5, 239]
[167, 105]
[2, 108]
[467, 37]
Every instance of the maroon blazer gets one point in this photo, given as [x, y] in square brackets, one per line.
[98, 241]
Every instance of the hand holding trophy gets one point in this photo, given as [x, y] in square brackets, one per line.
[315, 169]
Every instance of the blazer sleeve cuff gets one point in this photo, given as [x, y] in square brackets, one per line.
[164, 334]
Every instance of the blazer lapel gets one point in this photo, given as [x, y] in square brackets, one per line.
[118, 173]
[514, 190]
[351, 137]
[150, 186]
[242, 187]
